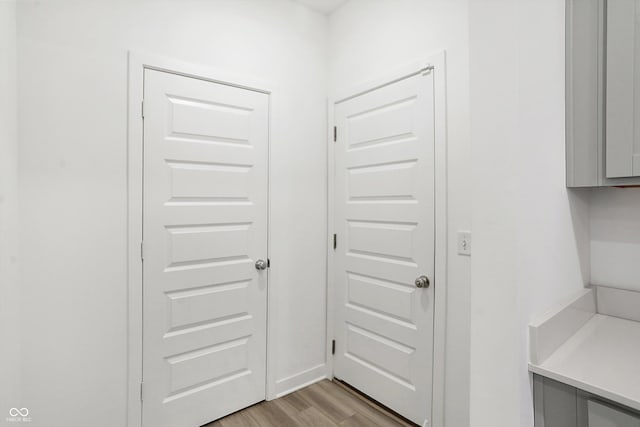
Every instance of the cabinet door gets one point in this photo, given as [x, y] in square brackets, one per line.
[623, 89]
[606, 416]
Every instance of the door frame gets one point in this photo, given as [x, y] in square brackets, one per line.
[438, 62]
[137, 64]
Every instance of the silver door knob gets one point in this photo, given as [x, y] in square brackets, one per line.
[422, 282]
[261, 264]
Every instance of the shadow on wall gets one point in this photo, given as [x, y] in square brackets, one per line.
[579, 200]
[615, 237]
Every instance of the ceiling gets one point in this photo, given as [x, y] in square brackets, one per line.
[323, 6]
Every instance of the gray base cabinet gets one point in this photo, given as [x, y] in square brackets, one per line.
[560, 405]
[602, 415]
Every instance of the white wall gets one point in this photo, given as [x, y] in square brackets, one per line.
[615, 237]
[531, 234]
[72, 127]
[368, 38]
[9, 272]
[494, 314]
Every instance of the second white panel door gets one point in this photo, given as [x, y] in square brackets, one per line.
[204, 226]
[384, 218]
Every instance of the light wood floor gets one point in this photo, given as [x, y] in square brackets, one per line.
[325, 404]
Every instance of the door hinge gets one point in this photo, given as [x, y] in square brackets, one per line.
[142, 251]
[335, 133]
[141, 392]
[333, 346]
[335, 241]
[142, 108]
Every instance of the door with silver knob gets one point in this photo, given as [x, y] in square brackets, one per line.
[205, 222]
[422, 282]
[384, 219]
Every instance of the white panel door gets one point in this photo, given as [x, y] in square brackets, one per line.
[384, 218]
[205, 225]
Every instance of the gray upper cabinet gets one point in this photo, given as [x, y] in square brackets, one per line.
[603, 93]
[623, 88]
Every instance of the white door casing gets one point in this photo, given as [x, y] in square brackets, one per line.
[204, 226]
[385, 221]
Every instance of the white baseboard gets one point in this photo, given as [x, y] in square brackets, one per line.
[300, 380]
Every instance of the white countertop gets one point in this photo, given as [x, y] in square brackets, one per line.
[602, 357]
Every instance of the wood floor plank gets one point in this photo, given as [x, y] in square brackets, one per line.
[307, 417]
[364, 406]
[239, 419]
[311, 417]
[324, 404]
[359, 420]
[269, 414]
[296, 401]
[330, 406]
[291, 411]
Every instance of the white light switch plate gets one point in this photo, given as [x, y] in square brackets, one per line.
[464, 243]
